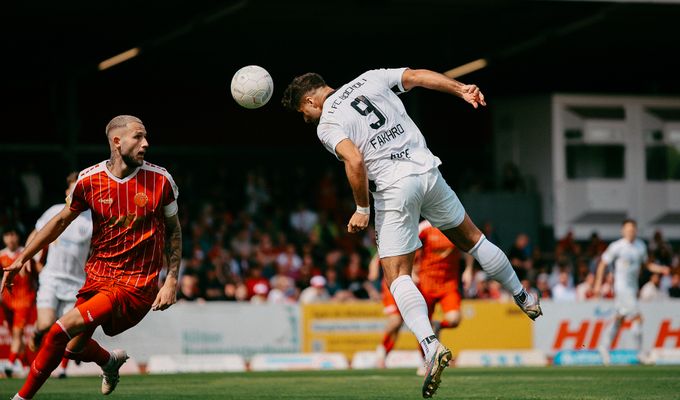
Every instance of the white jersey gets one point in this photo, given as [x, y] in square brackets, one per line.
[628, 258]
[369, 113]
[67, 255]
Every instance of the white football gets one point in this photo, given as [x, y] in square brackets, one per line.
[252, 86]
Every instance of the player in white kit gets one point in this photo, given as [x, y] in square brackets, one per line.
[365, 125]
[628, 255]
[64, 271]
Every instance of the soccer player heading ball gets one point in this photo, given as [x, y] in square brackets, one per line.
[134, 208]
[365, 125]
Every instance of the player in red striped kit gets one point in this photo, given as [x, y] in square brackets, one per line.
[134, 210]
[18, 306]
[436, 273]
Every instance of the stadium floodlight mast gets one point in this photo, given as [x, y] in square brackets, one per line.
[465, 69]
[119, 58]
[205, 19]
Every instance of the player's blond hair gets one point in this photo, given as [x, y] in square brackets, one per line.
[121, 121]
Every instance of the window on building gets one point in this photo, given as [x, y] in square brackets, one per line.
[585, 161]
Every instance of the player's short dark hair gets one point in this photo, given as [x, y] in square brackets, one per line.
[9, 229]
[300, 86]
[629, 221]
[72, 177]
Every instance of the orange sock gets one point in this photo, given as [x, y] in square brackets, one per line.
[46, 361]
[388, 343]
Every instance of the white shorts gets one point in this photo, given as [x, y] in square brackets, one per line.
[398, 209]
[57, 295]
[626, 303]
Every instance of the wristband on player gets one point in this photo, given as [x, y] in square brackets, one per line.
[364, 210]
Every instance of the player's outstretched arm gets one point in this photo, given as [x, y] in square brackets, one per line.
[442, 83]
[167, 296]
[42, 238]
[358, 181]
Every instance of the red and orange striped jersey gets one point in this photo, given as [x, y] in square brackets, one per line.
[24, 284]
[128, 221]
[439, 259]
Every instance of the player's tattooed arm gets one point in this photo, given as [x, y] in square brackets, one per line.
[173, 245]
[167, 295]
[434, 80]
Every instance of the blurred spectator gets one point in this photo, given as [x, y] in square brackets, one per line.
[289, 261]
[595, 246]
[230, 292]
[255, 277]
[214, 289]
[651, 291]
[584, 291]
[594, 250]
[260, 291]
[327, 197]
[303, 219]
[333, 285]
[674, 290]
[316, 292]
[607, 290]
[355, 276]
[188, 288]
[520, 253]
[526, 284]
[265, 252]
[325, 230]
[496, 291]
[511, 180]
[543, 286]
[567, 247]
[661, 251]
[490, 232]
[283, 290]
[257, 193]
[563, 291]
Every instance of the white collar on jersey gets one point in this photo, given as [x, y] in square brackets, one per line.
[117, 179]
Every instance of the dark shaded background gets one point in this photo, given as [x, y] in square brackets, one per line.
[56, 102]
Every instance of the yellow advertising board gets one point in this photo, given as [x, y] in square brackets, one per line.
[351, 327]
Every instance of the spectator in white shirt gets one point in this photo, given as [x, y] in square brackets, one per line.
[562, 291]
[651, 291]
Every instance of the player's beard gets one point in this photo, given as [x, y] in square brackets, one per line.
[130, 161]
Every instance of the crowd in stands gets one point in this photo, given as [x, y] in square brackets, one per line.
[283, 240]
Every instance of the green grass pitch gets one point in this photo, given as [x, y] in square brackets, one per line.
[519, 383]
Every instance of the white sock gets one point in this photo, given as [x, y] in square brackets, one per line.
[496, 265]
[414, 311]
[611, 334]
[17, 397]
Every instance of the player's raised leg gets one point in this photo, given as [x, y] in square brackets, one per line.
[494, 262]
